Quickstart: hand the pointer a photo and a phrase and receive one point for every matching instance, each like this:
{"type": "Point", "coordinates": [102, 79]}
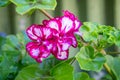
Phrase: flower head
{"type": "Point", "coordinates": [54, 36]}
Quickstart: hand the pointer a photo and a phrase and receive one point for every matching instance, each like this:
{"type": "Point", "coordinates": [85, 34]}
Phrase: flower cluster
{"type": "Point", "coordinates": [54, 36]}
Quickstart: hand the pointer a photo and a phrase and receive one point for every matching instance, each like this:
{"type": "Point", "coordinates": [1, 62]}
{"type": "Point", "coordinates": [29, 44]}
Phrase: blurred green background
{"type": "Point", "coordinates": [101, 11]}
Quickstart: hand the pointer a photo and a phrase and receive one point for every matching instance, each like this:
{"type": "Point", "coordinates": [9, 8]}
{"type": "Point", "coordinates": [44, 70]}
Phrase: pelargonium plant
{"type": "Point", "coordinates": [54, 36]}
{"type": "Point", "coordinates": [42, 51]}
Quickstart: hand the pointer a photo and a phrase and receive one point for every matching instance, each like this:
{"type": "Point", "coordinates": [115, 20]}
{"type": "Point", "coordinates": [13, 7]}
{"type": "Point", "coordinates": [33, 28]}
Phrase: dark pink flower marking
{"type": "Point", "coordinates": [54, 36]}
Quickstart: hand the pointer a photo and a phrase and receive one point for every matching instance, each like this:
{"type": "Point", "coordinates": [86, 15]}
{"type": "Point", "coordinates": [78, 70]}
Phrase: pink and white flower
{"type": "Point", "coordinates": [54, 36]}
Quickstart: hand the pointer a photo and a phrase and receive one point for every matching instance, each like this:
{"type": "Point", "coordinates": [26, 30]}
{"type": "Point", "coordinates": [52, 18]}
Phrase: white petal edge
{"type": "Point", "coordinates": [30, 33]}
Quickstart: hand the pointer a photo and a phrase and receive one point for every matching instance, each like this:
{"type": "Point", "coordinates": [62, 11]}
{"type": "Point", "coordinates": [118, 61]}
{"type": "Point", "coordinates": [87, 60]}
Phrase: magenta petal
{"type": "Point", "coordinates": [67, 24]}
{"type": "Point", "coordinates": [77, 24]}
{"type": "Point", "coordinates": [44, 54]}
{"type": "Point", "coordinates": [29, 32]}
{"type": "Point", "coordinates": [33, 49]}
{"type": "Point", "coordinates": [47, 32]}
{"type": "Point", "coordinates": [73, 39]}
{"type": "Point", "coordinates": [39, 60]}
{"type": "Point", "coordinates": [78, 33]}
{"type": "Point", "coordinates": [29, 45]}
{"type": "Point", "coordinates": [66, 43]}
{"type": "Point", "coordinates": [67, 13]}
{"type": "Point", "coordinates": [37, 31]}
{"type": "Point", "coordinates": [63, 55]}
{"type": "Point", "coordinates": [65, 46]}
{"type": "Point", "coordinates": [44, 51]}
{"type": "Point", "coordinates": [54, 24]}
{"type": "Point", "coordinates": [34, 52]}
{"type": "Point", "coordinates": [59, 53]}
{"type": "Point", "coordinates": [45, 22]}
{"type": "Point", "coordinates": [74, 42]}
{"type": "Point", "coordinates": [48, 45]}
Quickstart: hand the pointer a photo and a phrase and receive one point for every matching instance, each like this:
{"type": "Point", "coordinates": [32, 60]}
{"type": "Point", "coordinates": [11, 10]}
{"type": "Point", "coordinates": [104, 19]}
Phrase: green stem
{"type": "Point", "coordinates": [107, 68]}
{"type": "Point", "coordinates": [113, 52]}
{"type": "Point", "coordinates": [73, 60]}
{"type": "Point", "coordinates": [46, 14]}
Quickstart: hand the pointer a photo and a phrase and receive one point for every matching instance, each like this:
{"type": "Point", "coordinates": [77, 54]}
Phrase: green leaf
{"type": "Point", "coordinates": [8, 63]}
{"type": "Point", "coordinates": [106, 77]}
{"type": "Point", "coordinates": [117, 33]}
{"type": "Point", "coordinates": [89, 60]}
{"type": "Point", "coordinates": [25, 6]}
{"type": "Point", "coordinates": [62, 71]}
{"type": "Point", "coordinates": [89, 31]}
{"type": "Point", "coordinates": [107, 35]}
{"type": "Point", "coordinates": [89, 26]}
{"type": "Point", "coordinates": [23, 38]}
{"type": "Point", "coordinates": [4, 3]}
{"type": "Point", "coordinates": [11, 57]}
{"type": "Point", "coordinates": [101, 36]}
{"type": "Point", "coordinates": [2, 41]}
{"type": "Point", "coordinates": [11, 43]}
{"type": "Point", "coordinates": [38, 71]}
{"type": "Point", "coordinates": [90, 36]}
{"type": "Point", "coordinates": [114, 64]}
{"type": "Point", "coordinates": [32, 72]}
{"type": "Point", "coordinates": [82, 76]}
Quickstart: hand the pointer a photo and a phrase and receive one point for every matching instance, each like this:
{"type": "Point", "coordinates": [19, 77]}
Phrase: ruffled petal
{"type": "Point", "coordinates": [36, 51]}
{"type": "Point", "coordinates": [48, 44]}
{"type": "Point", "coordinates": [70, 39]}
{"type": "Point", "coordinates": [45, 22]}
{"type": "Point", "coordinates": [47, 32]}
{"type": "Point", "coordinates": [44, 51]}
{"type": "Point", "coordinates": [77, 24]}
{"type": "Point", "coordinates": [54, 24]}
{"type": "Point", "coordinates": [67, 24]}
{"type": "Point", "coordinates": [68, 14]}
{"type": "Point", "coordinates": [60, 54]}
{"type": "Point", "coordinates": [39, 60]}
{"type": "Point", "coordinates": [74, 41]}
{"type": "Point", "coordinates": [74, 19]}
{"type": "Point", "coordinates": [33, 49]}
{"type": "Point", "coordinates": [66, 43]}
{"type": "Point", "coordinates": [38, 31]}
{"type": "Point", "coordinates": [63, 55]}
{"type": "Point", "coordinates": [30, 33]}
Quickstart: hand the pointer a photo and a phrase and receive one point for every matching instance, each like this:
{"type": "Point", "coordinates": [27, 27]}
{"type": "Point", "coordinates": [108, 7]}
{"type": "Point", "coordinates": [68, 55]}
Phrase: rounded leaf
{"type": "Point", "coordinates": [89, 60]}
{"type": "Point", "coordinates": [82, 76]}
{"type": "Point", "coordinates": [25, 6]}
{"type": "Point", "coordinates": [62, 72]}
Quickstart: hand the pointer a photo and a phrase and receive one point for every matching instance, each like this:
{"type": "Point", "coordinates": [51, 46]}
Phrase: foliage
{"type": "Point", "coordinates": [26, 6]}
{"type": "Point", "coordinates": [89, 59]}
{"type": "Point", "coordinates": [82, 76]}
{"type": "Point", "coordinates": [4, 3]}
{"type": "Point", "coordinates": [16, 64]}
{"type": "Point", "coordinates": [115, 66]}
